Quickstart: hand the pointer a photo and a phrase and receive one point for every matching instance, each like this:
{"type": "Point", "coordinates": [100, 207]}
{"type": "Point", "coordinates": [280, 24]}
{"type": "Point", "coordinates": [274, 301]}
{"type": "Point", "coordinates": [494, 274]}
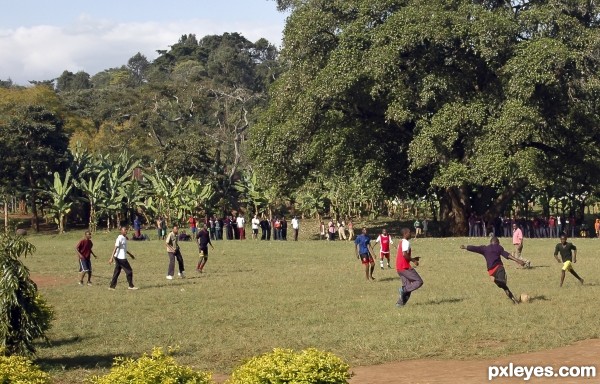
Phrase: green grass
{"type": "Point", "coordinates": [259, 295]}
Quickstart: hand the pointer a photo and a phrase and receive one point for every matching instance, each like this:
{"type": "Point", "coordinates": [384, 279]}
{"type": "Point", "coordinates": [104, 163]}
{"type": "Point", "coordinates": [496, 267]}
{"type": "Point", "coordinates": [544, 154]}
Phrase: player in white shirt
{"type": "Point", "coordinates": [384, 241]}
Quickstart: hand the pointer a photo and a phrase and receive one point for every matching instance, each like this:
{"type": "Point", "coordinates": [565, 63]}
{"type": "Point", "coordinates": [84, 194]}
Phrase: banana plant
{"type": "Point", "coordinates": [59, 192]}
{"type": "Point", "coordinates": [93, 190]}
{"type": "Point", "coordinates": [250, 193]}
{"type": "Point", "coordinates": [165, 192]}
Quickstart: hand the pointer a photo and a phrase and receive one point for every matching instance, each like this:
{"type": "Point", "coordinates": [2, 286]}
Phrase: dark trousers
{"type": "Point", "coordinates": [295, 235]}
{"type": "Point", "coordinates": [172, 257]}
{"type": "Point", "coordinates": [122, 264]}
{"type": "Point", "coordinates": [411, 280]}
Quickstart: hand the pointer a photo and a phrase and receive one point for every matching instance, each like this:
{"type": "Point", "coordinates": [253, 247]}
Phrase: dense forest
{"type": "Point", "coordinates": [486, 107]}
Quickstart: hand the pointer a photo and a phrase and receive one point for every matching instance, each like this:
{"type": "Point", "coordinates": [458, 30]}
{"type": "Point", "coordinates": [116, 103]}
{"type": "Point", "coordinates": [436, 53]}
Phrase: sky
{"type": "Point", "coordinates": [39, 39]}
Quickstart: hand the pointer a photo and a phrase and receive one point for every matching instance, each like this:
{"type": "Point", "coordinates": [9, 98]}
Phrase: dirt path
{"type": "Point", "coordinates": [585, 352]}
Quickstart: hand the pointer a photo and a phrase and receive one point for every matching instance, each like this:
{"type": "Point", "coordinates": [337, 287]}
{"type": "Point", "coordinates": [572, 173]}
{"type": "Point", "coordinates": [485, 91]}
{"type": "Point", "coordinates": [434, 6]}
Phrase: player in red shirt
{"type": "Point", "coordinates": [84, 252]}
{"type": "Point", "coordinates": [411, 280]}
{"type": "Point", "coordinates": [384, 241]}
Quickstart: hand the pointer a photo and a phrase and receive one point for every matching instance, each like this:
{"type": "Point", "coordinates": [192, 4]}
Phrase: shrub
{"type": "Point", "coordinates": [24, 315]}
{"type": "Point", "coordinates": [309, 366]}
{"type": "Point", "coordinates": [156, 368]}
{"type": "Point", "coordinates": [19, 370]}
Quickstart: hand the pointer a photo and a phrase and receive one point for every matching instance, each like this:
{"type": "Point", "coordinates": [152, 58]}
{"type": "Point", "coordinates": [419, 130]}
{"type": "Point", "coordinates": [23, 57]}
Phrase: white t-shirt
{"type": "Point", "coordinates": [240, 222]}
{"type": "Point", "coordinates": [121, 245]}
{"type": "Point", "coordinates": [405, 245]}
{"type": "Point", "coordinates": [295, 223]}
{"type": "Point", "coordinates": [255, 223]}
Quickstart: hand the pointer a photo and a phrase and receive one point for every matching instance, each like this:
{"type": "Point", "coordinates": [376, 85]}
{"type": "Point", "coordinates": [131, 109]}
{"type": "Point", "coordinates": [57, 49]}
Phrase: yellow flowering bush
{"type": "Point", "coordinates": [281, 366]}
{"type": "Point", "coordinates": [19, 370]}
{"type": "Point", "coordinates": [156, 368]}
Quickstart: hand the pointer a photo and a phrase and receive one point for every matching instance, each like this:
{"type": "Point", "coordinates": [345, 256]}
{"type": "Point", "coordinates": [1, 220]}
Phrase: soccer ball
{"type": "Point", "coordinates": [524, 298]}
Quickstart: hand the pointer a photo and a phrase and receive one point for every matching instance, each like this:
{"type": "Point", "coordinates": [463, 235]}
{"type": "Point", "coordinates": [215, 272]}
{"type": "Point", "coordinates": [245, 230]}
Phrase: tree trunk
{"type": "Point", "coordinates": [5, 215]}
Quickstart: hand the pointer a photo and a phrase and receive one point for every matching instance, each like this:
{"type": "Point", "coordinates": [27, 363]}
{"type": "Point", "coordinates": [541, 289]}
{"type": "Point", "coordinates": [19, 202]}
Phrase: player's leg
{"type": "Point", "coordinates": [171, 268]}
{"type": "Point", "coordinates": [371, 267]}
{"type": "Point", "coordinates": [501, 281]}
{"type": "Point", "coordinates": [179, 258]}
{"type": "Point", "coordinates": [81, 272]}
{"type": "Point", "coordinates": [576, 275]}
{"type": "Point", "coordinates": [116, 273]}
{"type": "Point", "coordinates": [387, 256]}
{"type": "Point", "coordinates": [381, 255]}
{"type": "Point", "coordinates": [562, 277]}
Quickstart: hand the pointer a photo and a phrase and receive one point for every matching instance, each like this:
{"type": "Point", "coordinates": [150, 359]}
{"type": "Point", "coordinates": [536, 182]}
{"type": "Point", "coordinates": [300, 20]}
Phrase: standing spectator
{"type": "Point", "coordinates": [597, 227]}
{"type": "Point", "coordinates": [283, 228]}
{"type": "Point", "coordinates": [384, 241]}
{"type": "Point", "coordinates": [227, 223]}
{"type": "Point", "coordinates": [255, 224]}
{"type": "Point", "coordinates": [552, 227]}
{"type": "Point", "coordinates": [211, 227]}
{"type": "Point", "coordinates": [119, 257]}
{"type": "Point", "coordinates": [568, 254]}
{"type": "Point", "coordinates": [471, 222]}
{"type": "Point", "coordinates": [295, 227]}
{"type": "Point", "coordinates": [203, 243]}
{"type": "Point", "coordinates": [159, 227]}
{"type": "Point", "coordinates": [174, 252]}
{"type": "Point", "coordinates": [572, 225]}
{"type": "Point", "coordinates": [84, 251]}
{"type": "Point", "coordinates": [341, 230]}
{"type": "Point", "coordinates": [559, 224]}
{"type": "Point", "coordinates": [137, 227]}
{"type": "Point", "coordinates": [322, 232]}
{"type": "Point", "coordinates": [264, 228]}
{"type": "Point", "coordinates": [192, 223]}
{"type": "Point", "coordinates": [331, 230]}
{"type": "Point", "coordinates": [507, 225]}
{"type": "Point", "coordinates": [411, 280]}
{"type": "Point", "coordinates": [350, 229]}
{"type": "Point", "coordinates": [163, 228]}
{"type": "Point", "coordinates": [276, 229]}
{"type": "Point", "coordinates": [364, 252]}
{"type": "Point", "coordinates": [518, 244]}
{"type": "Point", "coordinates": [425, 225]}
{"type": "Point", "coordinates": [418, 230]}
{"type": "Point", "coordinates": [241, 222]}
{"type": "Point", "coordinates": [218, 228]}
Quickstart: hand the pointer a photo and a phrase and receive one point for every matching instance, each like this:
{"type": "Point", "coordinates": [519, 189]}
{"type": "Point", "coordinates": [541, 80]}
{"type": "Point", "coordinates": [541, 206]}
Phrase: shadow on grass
{"type": "Point", "coordinates": [75, 362]}
{"type": "Point", "coordinates": [442, 301]}
{"type": "Point", "coordinates": [65, 341]}
{"type": "Point", "coordinates": [538, 298]}
{"type": "Point", "coordinates": [389, 279]}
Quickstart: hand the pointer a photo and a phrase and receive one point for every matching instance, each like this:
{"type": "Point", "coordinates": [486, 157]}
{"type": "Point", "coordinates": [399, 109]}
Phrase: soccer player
{"type": "Point", "coordinates": [411, 281]}
{"type": "Point", "coordinates": [568, 254]}
{"type": "Point", "coordinates": [203, 243]}
{"type": "Point", "coordinates": [495, 268]}
{"type": "Point", "coordinates": [174, 252]}
{"type": "Point", "coordinates": [364, 251]}
{"type": "Point", "coordinates": [84, 250]}
{"type": "Point", "coordinates": [119, 257]}
{"type": "Point", "coordinates": [384, 241]}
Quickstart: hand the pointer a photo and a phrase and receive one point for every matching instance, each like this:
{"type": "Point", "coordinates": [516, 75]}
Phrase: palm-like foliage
{"type": "Point", "coordinates": [24, 315]}
{"type": "Point", "coordinates": [60, 194]}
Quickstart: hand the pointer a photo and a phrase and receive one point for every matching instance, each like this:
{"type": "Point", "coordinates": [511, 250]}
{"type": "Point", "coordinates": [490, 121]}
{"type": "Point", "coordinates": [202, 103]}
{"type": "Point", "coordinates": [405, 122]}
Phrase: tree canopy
{"type": "Point", "coordinates": [474, 100]}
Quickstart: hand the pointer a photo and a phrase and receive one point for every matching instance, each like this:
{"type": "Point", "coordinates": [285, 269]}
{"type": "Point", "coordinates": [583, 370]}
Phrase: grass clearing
{"type": "Point", "coordinates": [257, 295]}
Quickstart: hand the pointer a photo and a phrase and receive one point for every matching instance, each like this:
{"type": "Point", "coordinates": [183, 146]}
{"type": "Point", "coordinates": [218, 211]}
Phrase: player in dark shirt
{"type": "Point", "coordinates": [568, 254]}
{"type": "Point", "coordinates": [203, 243]}
{"type": "Point", "coordinates": [495, 268]}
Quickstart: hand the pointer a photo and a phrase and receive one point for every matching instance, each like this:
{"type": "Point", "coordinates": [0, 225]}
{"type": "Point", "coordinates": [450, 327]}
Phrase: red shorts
{"type": "Point", "coordinates": [366, 258]}
{"type": "Point", "coordinates": [384, 254]}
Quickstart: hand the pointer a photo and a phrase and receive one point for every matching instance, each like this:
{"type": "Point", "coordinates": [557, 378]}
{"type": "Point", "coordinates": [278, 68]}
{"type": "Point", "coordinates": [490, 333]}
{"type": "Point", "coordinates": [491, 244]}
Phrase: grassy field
{"type": "Point", "coordinates": [258, 295]}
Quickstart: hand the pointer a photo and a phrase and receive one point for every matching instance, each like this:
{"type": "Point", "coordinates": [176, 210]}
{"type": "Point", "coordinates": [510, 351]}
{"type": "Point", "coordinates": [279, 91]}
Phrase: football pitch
{"type": "Point", "coordinates": [258, 295]}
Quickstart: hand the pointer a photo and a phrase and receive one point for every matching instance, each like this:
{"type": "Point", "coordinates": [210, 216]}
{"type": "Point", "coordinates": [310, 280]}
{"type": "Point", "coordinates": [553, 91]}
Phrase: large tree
{"type": "Point", "coordinates": [478, 99]}
{"type": "Point", "coordinates": [34, 140]}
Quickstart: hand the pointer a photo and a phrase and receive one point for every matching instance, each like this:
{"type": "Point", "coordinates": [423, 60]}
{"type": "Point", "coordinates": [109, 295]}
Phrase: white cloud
{"type": "Point", "coordinates": [43, 52]}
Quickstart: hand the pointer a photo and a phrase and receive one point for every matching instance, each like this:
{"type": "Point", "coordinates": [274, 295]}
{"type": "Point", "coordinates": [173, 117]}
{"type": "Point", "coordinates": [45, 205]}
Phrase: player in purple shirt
{"type": "Point", "coordinates": [495, 268]}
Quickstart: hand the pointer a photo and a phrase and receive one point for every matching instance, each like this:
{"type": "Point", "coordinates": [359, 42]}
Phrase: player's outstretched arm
{"type": "Point", "coordinates": [511, 257]}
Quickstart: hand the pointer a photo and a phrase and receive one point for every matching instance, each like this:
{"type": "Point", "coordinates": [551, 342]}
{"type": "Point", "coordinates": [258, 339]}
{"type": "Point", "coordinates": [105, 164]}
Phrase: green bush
{"type": "Point", "coordinates": [19, 370]}
{"type": "Point", "coordinates": [24, 314]}
{"type": "Point", "coordinates": [310, 366]}
{"type": "Point", "coordinates": [156, 368]}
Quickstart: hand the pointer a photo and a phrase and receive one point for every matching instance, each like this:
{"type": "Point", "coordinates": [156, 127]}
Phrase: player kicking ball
{"type": "Point", "coordinates": [568, 254]}
{"type": "Point", "coordinates": [495, 268]}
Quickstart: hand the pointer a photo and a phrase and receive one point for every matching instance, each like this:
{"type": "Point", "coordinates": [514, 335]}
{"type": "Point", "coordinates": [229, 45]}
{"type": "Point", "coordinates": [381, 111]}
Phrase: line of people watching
{"type": "Point", "coordinates": [536, 227]}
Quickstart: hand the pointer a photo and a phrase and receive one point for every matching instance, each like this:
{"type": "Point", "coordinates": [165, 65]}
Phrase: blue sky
{"type": "Point", "coordinates": [39, 39]}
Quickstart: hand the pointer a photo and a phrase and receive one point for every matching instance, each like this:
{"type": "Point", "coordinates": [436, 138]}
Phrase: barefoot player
{"type": "Point", "coordinates": [84, 250]}
{"type": "Point", "coordinates": [492, 253]}
{"type": "Point", "coordinates": [568, 254]}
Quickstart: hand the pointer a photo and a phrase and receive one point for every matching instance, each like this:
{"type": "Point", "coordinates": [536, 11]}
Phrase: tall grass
{"type": "Point", "coordinates": [257, 295]}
